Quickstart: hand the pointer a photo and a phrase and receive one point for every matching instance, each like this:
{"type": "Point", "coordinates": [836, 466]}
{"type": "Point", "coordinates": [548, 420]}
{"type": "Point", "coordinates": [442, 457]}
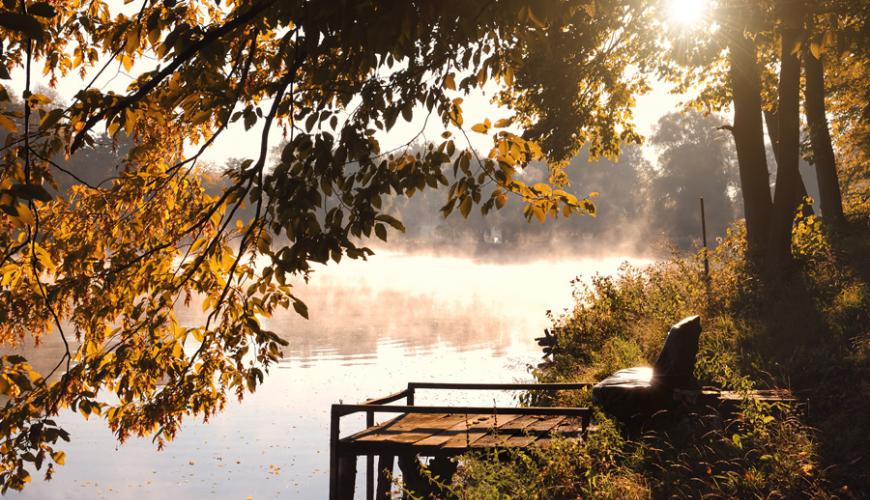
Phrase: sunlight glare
{"type": "Point", "coordinates": [686, 13]}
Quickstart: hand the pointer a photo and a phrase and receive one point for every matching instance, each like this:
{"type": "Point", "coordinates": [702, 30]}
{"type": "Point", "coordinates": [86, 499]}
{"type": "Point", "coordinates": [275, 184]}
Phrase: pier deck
{"type": "Point", "coordinates": [440, 432]}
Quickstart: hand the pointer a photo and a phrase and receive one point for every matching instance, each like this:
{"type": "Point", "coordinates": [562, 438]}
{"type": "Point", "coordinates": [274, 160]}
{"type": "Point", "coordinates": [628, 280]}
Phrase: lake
{"type": "Point", "coordinates": [374, 327]}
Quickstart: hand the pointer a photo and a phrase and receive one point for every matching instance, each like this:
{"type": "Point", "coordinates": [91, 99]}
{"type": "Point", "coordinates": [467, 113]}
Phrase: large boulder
{"type": "Point", "coordinates": [643, 390]}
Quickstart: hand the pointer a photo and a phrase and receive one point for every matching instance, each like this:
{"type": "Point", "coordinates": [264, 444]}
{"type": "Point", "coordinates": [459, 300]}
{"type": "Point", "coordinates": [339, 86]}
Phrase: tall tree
{"type": "Point", "coordinates": [772, 124]}
{"type": "Point", "coordinates": [748, 130]}
{"type": "Point", "coordinates": [788, 114]}
{"type": "Point", "coordinates": [820, 137]}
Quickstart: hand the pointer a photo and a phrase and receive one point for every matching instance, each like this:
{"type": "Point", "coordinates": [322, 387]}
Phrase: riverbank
{"type": "Point", "coordinates": [809, 332]}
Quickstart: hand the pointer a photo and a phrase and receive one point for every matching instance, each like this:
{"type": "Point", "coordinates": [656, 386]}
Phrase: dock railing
{"type": "Point", "coordinates": [382, 405]}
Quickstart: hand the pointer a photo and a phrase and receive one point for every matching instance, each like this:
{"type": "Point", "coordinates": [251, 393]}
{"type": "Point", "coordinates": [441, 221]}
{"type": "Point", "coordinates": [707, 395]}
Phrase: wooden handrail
{"type": "Point", "coordinates": [505, 387]}
{"type": "Point", "coordinates": [341, 410]}
{"type": "Point", "coordinates": [387, 399]}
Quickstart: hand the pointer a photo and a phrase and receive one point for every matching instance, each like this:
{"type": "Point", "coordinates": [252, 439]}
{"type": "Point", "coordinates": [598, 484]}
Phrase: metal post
{"type": "Point", "coordinates": [704, 241]}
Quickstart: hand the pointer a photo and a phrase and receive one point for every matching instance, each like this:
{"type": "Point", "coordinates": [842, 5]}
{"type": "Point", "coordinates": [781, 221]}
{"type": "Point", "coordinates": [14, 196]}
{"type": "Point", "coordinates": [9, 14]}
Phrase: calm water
{"type": "Point", "coordinates": [374, 326]}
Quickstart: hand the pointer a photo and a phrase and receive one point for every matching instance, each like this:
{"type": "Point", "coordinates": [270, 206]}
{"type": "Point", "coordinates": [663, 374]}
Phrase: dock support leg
{"type": "Point", "coordinates": [370, 462]}
{"type": "Point", "coordinates": [411, 476]}
{"type": "Point", "coordinates": [443, 469]}
{"type": "Point", "coordinates": [346, 476]}
{"type": "Point", "coordinates": [385, 476]}
{"type": "Point", "coordinates": [333, 453]}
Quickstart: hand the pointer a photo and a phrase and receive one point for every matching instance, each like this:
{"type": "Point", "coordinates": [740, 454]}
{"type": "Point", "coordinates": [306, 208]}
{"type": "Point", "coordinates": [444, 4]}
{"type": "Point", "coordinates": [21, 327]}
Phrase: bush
{"type": "Point", "coordinates": [809, 332]}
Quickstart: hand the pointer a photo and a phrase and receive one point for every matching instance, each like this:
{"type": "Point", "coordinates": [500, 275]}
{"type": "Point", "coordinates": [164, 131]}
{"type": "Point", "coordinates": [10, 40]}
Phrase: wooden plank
{"type": "Point", "coordinates": [568, 428]}
{"type": "Point", "coordinates": [533, 432]}
{"type": "Point", "coordinates": [371, 430]}
{"type": "Point", "coordinates": [409, 428]}
{"type": "Point", "coordinates": [518, 441]}
{"type": "Point", "coordinates": [464, 437]}
{"type": "Point", "coordinates": [776, 395]}
{"type": "Point", "coordinates": [507, 431]}
{"type": "Point", "coordinates": [544, 424]}
{"type": "Point", "coordinates": [446, 434]}
{"type": "Point", "coordinates": [519, 424]}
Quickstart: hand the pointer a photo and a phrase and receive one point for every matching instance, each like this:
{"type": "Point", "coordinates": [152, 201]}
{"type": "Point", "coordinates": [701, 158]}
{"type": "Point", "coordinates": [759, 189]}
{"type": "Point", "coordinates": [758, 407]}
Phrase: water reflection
{"type": "Point", "coordinates": [374, 326]}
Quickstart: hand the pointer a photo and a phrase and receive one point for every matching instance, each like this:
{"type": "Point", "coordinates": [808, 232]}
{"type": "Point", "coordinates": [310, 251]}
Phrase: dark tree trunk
{"type": "Point", "coordinates": [785, 199]}
{"type": "Point", "coordinates": [749, 141]}
{"type": "Point", "coordinates": [831, 201]}
{"type": "Point", "coordinates": [772, 121]}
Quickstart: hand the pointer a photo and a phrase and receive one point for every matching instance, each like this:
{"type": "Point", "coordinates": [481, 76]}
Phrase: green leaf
{"type": "Point", "coordinates": [300, 308]}
{"type": "Point", "coordinates": [392, 221]}
{"type": "Point", "coordinates": [381, 231]}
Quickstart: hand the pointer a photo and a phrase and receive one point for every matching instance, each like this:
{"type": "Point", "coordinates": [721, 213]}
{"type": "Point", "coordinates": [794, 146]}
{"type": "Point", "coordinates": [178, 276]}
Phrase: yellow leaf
{"type": "Point", "coordinates": [543, 188]}
{"type": "Point", "coordinates": [113, 128]}
{"type": "Point", "coordinates": [7, 124]}
{"type": "Point", "coordinates": [504, 122]}
{"type": "Point", "coordinates": [465, 206]}
{"type": "Point", "coordinates": [44, 259]}
{"type": "Point", "coordinates": [127, 62]}
{"type": "Point", "coordinates": [58, 457]}
{"type": "Point", "coordinates": [450, 82]}
{"type": "Point", "coordinates": [480, 128]}
{"type": "Point", "coordinates": [24, 214]}
{"type": "Point", "coordinates": [539, 213]}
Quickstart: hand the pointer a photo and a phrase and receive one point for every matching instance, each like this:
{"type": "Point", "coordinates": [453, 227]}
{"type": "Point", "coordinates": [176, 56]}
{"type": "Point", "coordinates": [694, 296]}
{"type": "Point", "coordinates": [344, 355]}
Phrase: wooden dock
{"type": "Point", "coordinates": [439, 432]}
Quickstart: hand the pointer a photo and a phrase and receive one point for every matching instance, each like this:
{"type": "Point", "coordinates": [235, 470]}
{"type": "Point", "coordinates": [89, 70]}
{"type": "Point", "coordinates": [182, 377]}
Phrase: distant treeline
{"type": "Point", "coordinates": [642, 205]}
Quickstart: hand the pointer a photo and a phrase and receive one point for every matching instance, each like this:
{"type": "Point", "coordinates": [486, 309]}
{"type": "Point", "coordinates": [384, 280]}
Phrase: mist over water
{"type": "Point", "coordinates": [374, 326]}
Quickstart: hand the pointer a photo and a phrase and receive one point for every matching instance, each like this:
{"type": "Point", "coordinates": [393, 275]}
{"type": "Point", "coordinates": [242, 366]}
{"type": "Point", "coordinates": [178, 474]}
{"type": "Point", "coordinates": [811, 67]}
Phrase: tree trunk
{"type": "Point", "coordinates": [785, 199]}
{"type": "Point", "coordinates": [831, 200]}
{"type": "Point", "coordinates": [749, 140]}
{"type": "Point", "coordinates": [772, 121]}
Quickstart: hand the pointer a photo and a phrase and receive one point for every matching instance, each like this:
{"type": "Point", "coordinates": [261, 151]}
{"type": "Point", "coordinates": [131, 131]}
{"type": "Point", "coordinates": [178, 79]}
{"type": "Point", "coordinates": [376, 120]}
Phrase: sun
{"type": "Point", "coordinates": [686, 13]}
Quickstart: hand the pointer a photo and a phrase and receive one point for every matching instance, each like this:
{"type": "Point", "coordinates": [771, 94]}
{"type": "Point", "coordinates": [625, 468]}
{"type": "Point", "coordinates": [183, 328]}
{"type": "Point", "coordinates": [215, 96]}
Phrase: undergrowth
{"type": "Point", "coordinates": [809, 332]}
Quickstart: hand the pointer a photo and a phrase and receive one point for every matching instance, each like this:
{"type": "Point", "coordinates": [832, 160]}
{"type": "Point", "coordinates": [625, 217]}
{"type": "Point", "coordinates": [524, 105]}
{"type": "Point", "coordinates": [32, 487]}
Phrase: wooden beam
{"type": "Point", "coordinates": [387, 399]}
{"type": "Point", "coordinates": [385, 477]}
{"type": "Point", "coordinates": [346, 476]}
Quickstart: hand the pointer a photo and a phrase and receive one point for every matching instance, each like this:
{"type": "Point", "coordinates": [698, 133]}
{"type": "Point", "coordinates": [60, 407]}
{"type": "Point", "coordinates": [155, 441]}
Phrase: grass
{"type": "Point", "coordinates": [809, 332]}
